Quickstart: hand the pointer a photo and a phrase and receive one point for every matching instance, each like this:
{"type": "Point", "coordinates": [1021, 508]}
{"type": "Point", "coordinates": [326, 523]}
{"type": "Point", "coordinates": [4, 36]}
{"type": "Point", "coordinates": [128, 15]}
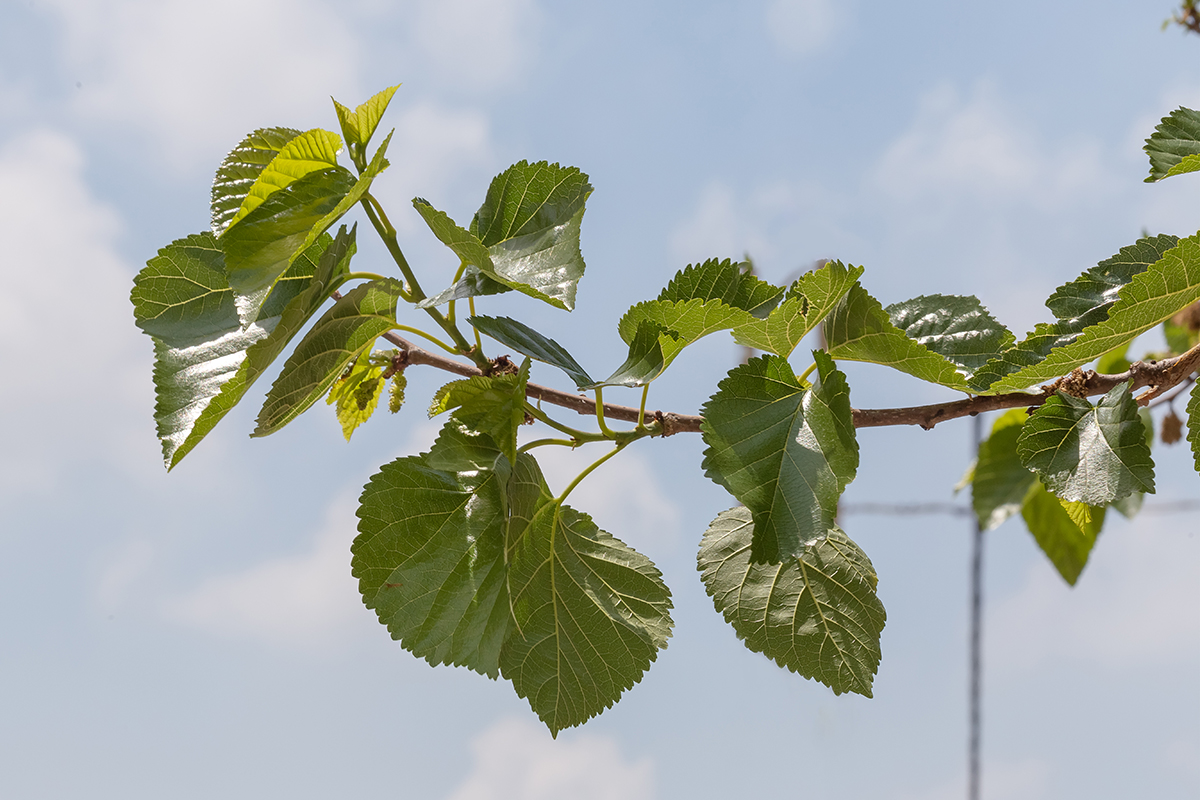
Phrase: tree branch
{"type": "Point", "coordinates": [1160, 376]}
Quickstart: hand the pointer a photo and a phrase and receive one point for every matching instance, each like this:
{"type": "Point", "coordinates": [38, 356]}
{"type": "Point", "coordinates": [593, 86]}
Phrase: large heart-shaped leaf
{"type": "Point", "coordinates": [783, 450]}
{"type": "Point", "coordinates": [1174, 147]}
{"type": "Point", "coordinates": [816, 614]}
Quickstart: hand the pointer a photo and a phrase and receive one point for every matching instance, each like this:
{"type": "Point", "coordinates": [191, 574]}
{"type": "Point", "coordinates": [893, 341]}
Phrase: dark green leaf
{"type": "Point", "coordinates": [338, 337]}
{"type": "Point", "coordinates": [958, 328]}
{"type": "Point", "coordinates": [309, 152]}
{"type": "Point", "coordinates": [1087, 454]}
{"type": "Point", "coordinates": [528, 342]}
{"type": "Point", "coordinates": [726, 281]}
{"type": "Point", "coordinates": [591, 614]}
{"type": "Point", "coordinates": [1001, 482]}
{"type": "Point", "coordinates": [205, 360]}
{"type": "Point", "coordinates": [649, 353]}
{"type": "Point", "coordinates": [358, 126]}
{"type": "Point", "coordinates": [1167, 286]}
{"type": "Point", "coordinates": [809, 299]}
{"type": "Point", "coordinates": [429, 556]}
{"type": "Point", "coordinates": [493, 405]}
{"type": "Point", "coordinates": [784, 451]}
{"type": "Point", "coordinates": [241, 169]}
{"type": "Point", "coordinates": [817, 614]}
{"type": "Point", "coordinates": [1064, 542]}
{"type": "Point", "coordinates": [1174, 147]}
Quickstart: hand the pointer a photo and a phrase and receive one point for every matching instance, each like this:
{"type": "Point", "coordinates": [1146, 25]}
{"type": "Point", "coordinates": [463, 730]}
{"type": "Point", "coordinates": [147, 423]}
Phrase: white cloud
{"type": "Point", "coordinates": [516, 759]}
{"type": "Point", "coordinates": [73, 356]}
{"type": "Point", "coordinates": [196, 76]}
{"type": "Point", "coordinates": [480, 44]}
{"type": "Point", "coordinates": [302, 599]}
{"type": "Point", "coordinates": [801, 27]}
{"type": "Point", "coordinates": [1135, 607]}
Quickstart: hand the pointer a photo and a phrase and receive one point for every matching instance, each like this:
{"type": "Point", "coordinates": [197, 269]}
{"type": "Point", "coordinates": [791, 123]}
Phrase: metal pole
{"type": "Point", "coordinates": [975, 713]}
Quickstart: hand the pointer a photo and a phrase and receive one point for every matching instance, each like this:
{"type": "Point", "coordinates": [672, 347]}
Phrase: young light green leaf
{"type": "Point", "coordinates": [205, 360]}
{"type": "Point", "coordinates": [429, 556]}
{"type": "Point", "coordinates": [309, 152]}
{"type": "Point", "coordinates": [958, 328]}
{"type": "Point", "coordinates": [1087, 454]}
{"type": "Point", "coordinates": [690, 320]}
{"type": "Point", "coordinates": [356, 393]}
{"type": "Point", "coordinates": [816, 614]}
{"type": "Point", "coordinates": [726, 281]}
{"type": "Point", "coordinates": [1064, 542]}
{"type": "Point", "coordinates": [1077, 305]}
{"type": "Point", "coordinates": [651, 350]}
{"type": "Point", "coordinates": [785, 451]}
{"type": "Point", "coordinates": [1167, 286]}
{"type": "Point", "coordinates": [358, 126]}
{"type": "Point", "coordinates": [859, 329]}
{"type": "Point", "coordinates": [1000, 482]}
{"type": "Point", "coordinates": [1193, 423]}
{"type": "Point", "coordinates": [1174, 147]}
{"type": "Point", "coordinates": [528, 342]}
{"type": "Point", "coordinates": [347, 329]}
{"type": "Point", "coordinates": [241, 169]}
{"type": "Point", "coordinates": [809, 300]}
{"type": "Point", "coordinates": [494, 405]}
{"type": "Point", "coordinates": [590, 614]}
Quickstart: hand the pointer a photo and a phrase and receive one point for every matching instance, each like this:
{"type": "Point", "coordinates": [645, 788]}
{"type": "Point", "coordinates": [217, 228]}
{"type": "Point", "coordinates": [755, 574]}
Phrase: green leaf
{"type": "Point", "coordinates": [816, 614]}
{"type": "Point", "coordinates": [726, 281]}
{"type": "Point", "coordinates": [1151, 296]}
{"type": "Point", "coordinates": [493, 405]}
{"type": "Point", "coordinates": [1174, 147]}
{"type": "Point", "coordinates": [859, 329]}
{"type": "Point", "coordinates": [650, 351]}
{"type": "Point", "coordinates": [1193, 423]}
{"type": "Point", "coordinates": [1061, 539]}
{"type": "Point", "coordinates": [205, 359]}
{"type": "Point", "coordinates": [809, 300]}
{"type": "Point", "coordinates": [1182, 331]}
{"type": "Point", "coordinates": [1087, 454]}
{"type": "Point", "coordinates": [785, 451]}
{"type": "Point", "coordinates": [1114, 362]}
{"type": "Point", "coordinates": [1001, 482]}
{"type": "Point", "coordinates": [689, 320]}
{"type": "Point", "coordinates": [957, 328]}
{"type": "Point", "coordinates": [309, 152]}
{"type": "Point", "coordinates": [358, 126]}
{"type": "Point", "coordinates": [241, 169]}
{"type": "Point", "coordinates": [429, 556]}
{"type": "Point", "coordinates": [261, 247]}
{"type": "Point", "coordinates": [591, 614]}
{"type": "Point", "coordinates": [356, 393]}
{"type": "Point", "coordinates": [525, 235]}
{"type": "Point", "coordinates": [528, 342]}
{"type": "Point", "coordinates": [347, 329]}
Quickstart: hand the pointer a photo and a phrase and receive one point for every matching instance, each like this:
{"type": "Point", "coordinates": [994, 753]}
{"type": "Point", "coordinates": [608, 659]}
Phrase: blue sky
{"type": "Point", "coordinates": [199, 634]}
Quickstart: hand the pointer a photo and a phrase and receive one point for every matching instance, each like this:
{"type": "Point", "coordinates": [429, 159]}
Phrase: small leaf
{"type": "Point", "coordinates": [1087, 454]}
{"type": "Point", "coordinates": [358, 126]}
{"type": "Point", "coordinates": [528, 342]}
{"type": "Point", "coordinates": [725, 281]}
{"type": "Point", "coordinates": [396, 395]}
{"type": "Point", "coordinates": [1064, 542]}
{"type": "Point", "coordinates": [816, 614]}
{"type": "Point", "coordinates": [809, 300]}
{"type": "Point", "coordinates": [958, 328]}
{"type": "Point", "coordinates": [1174, 147]}
{"type": "Point", "coordinates": [591, 614]}
{"type": "Point", "coordinates": [241, 169]}
{"type": "Point", "coordinates": [689, 320]}
{"type": "Point", "coordinates": [429, 556]}
{"type": "Point", "coordinates": [785, 451]}
{"type": "Point", "coordinates": [1001, 483]}
{"type": "Point", "coordinates": [356, 393]}
{"type": "Point", "coordinates": [347, 329]}
{"type": "Point", "coordinates": [309, 152]}
{"type": "Point", "coordinates": [1193, 424]}
{"type": "Point", "coordinates": [650, 351]}
{"type": "Point", "coordinates": [493, 405]}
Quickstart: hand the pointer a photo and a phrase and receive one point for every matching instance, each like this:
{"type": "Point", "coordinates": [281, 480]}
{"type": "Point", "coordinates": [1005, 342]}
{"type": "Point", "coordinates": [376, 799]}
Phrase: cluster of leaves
{"type": "Point", "coordinates": [465, 553]}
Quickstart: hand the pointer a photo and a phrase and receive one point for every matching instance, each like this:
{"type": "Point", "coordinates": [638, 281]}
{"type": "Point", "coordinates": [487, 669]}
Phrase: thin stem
{"type": "Point", "coordinates": [807, 372]}
{"type": "Point", "coordinates": [578, 478]}
{"type": "Point", "coordinates": [604, 429]}
{"type": "Point", "coordinates": [362, 276]}
{"type": "Point", "coordinates": [641, 423]}
{"type": "Point", "coordinates": [525, 448]}
{"type": "Point", "coordinates": [450, 307]}
{"type": "Point", "coordinates": [579, 436]}
{"type": "Point", "coordinates": [478, 341]}
{"type": "Point", "coordinates": [449, 348]}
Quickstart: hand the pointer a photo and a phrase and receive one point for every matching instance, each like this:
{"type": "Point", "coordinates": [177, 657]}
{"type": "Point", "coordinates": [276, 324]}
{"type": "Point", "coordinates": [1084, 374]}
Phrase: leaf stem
{"type": "Point", "coordinates": [641, 422]}
{"type": "Point", "coordinates": [579, 478]}
{"type": "Point", "coordinates": [525, 448]}
{"type": "Point", "coordinates": [807, 372]}
{"type": "Point", "coordinates": [363, 276]}
{"type": "Point", "coordinates": [604, 429]}
{"type": "Point", "coordinates": [449, 348]}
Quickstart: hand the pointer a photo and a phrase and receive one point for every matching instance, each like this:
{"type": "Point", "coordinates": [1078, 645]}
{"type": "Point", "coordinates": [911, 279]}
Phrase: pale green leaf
{"type": "Point", "coordinates": [355, 394]}
{"type": "Point", "coordinates": [494, 405]}
{"type": "Point", "coordinates": [809, 300]}
{"type": "Point", "coordinates": [1061, 539]}
{"type": "Point", "coordinates": [1156, 294]}
{"type": "Point", "coordinates": [689, 320]}
{"type": "Point", "coordinates": [347, 329]}
{"type": "Point", "coordinates": [429, 556]}
{"type": "Point", "coordinates": [590, 614]}
{"type": "Point", "coordinates": [785, 451]}
{"type": "Point", "coordinates": [241, 169]}
{"type": "Point", "coordinates": [309, 152]}
{"type": "Point", "coordinates": [816, 614]}
{"type": "Point", "coordinates": [729, 282]}
{"type": "Point", "coordinates": [1001, 482]}
{"type": "Point", "coordinates": [1174, 147]}
{"type": "Point", "coordinates": [1089, 454]}
{"type": "Point", "coordinates": [528, 342]}
{"type": "Point", "coordinates": [358, 126]}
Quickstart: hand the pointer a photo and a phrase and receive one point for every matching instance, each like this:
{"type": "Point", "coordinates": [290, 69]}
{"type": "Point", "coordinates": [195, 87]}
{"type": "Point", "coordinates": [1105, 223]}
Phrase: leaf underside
{"type": "Point", "coordinates": [1174, 147]}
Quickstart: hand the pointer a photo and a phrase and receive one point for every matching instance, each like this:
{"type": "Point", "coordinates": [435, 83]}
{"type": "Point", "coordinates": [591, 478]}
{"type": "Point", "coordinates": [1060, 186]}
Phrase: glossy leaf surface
{"type": "Point", "coordinates": [528, 342]}
{"type": "Point", "coordinates": [957, 328]}
{"type": "Point", "coordinates": [816, 614]}
{"type": "Point", "coordinates": [809, 300]}
{"type": "Point", "coordinates": [306, 153]}
{"type": "Point", "coordinates": [1174, 147]}
{"type": "Point", "coordinates": [241, 169]}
